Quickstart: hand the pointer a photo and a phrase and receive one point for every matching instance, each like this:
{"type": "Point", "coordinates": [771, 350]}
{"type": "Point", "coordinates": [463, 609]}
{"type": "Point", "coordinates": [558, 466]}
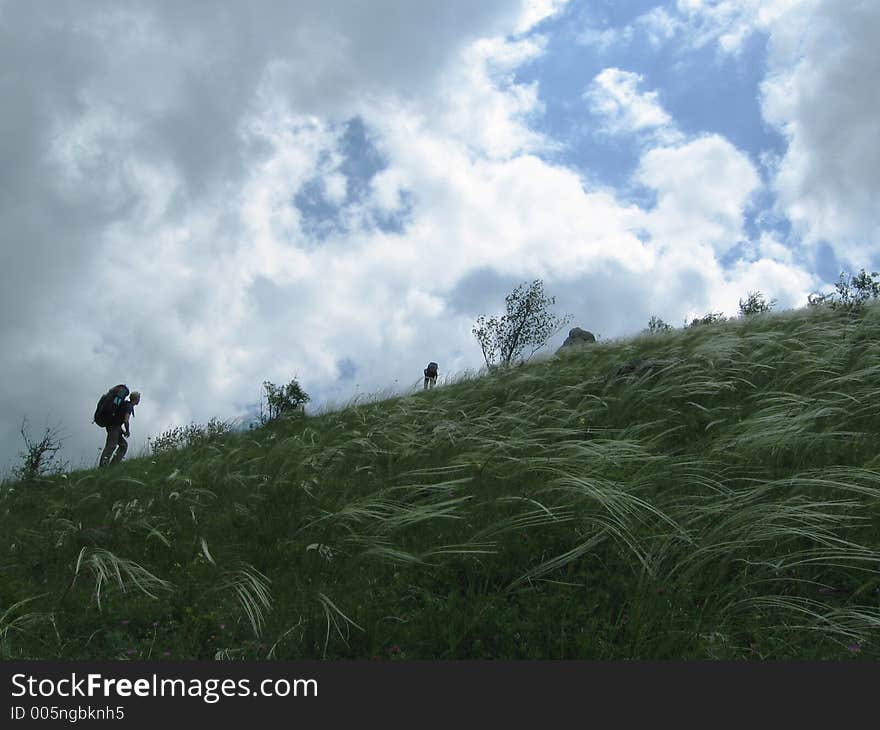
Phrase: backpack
{"type": "Point", "coordinates": [431, 370]}
{"type": "Point", "coordinates": [108, 411]}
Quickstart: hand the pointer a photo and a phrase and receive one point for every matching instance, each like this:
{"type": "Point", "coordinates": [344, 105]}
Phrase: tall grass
{"type": "Point", "coordinates": [719, 499]}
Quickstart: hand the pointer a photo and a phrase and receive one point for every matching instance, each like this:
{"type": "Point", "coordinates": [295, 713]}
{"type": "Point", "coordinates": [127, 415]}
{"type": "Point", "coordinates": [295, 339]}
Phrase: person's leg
{"type": "Point", "coordinates": [114, 433]}
{"type": "Point", "coordinates": [427, 379]}
{"type": "Point", "coordinates": [120, 452]}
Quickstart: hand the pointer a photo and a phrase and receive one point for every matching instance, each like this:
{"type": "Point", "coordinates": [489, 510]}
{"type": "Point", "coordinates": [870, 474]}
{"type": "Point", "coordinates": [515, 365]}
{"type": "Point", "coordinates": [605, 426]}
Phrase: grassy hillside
{"type": "Point", "coordinates": [720, 501]}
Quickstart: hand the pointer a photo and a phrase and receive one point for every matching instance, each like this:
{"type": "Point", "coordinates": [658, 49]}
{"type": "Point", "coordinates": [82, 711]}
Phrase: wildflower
{"type": "Point", "coordinates": [394, 649]}
{"type": "Point", "coordinates": [166, 653]}
{"type": "Point", "coordinates": [131, 651]}
{"type": "Point", "coordinates": [855, 648]}
{"type": "Point", "coordinates": [125, 622]}
{"type": "Point", "coordinates": [223, 627]}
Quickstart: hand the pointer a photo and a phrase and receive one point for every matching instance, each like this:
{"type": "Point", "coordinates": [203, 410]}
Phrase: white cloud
{"type": "Point", "coordinates": [821, 63]}
{"type": "Point", "coordinates": [770, 247]}
{"type": "Point", "coordinates": [785, 283]}
{"type": "Point", "coordinates": [614, 96]}
{"type": "Point", "coordinates": [727, 23]}
{"type": "Point", "coordinates": [660, 25]}
{"type": "Point", "coordinates": [703, 188]}
{"type": "Point", "coordinates": [335, 187]}
{"type": "Point", "coordinates": [819, 94]}
{"type": "Point", "coordinates": [535, 11]}
{"type": "Point", "coordinates": [602, 39]}
{"type": "Point", "coordinates": [479, 105]}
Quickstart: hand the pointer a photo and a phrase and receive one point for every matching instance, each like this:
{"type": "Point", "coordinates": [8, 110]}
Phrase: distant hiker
{"type": "Point", "coordinates": [113, 413]}
{"type": "Point", "coordinates": [431, 375]}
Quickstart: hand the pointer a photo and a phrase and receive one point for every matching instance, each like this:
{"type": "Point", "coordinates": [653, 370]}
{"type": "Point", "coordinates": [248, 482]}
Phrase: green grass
{"type": "Point", "coordinates": [721, 505]}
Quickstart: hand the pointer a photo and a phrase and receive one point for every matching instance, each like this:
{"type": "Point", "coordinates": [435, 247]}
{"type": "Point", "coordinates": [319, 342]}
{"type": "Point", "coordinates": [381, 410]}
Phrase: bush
{"type": "Point", "coordinates": [709, 318]}
{"type": "Point", "coordinates": [854, 293]}
{"type": "Point", "coordinates": [755, 304]}
{"type": "Point", "coordinates": [849, 294]}
{"type": "Point", "coordinates": [282, 399]}
{"type": "Point", "coordinates": [184, 437]}
{"type": "Point", "coordinates": [657, 326]}
{"type": "Point", "coordinates": [39, 457]}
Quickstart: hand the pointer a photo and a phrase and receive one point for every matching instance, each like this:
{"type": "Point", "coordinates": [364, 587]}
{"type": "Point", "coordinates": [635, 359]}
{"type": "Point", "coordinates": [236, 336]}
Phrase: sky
{"type": "Point", "coordinates": [196, 197]}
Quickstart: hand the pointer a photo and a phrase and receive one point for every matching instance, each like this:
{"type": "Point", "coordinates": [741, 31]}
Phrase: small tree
{"type": "Point", "coordinates": [39, 457]}
{"type": "Point", "coordinates": [657, 326]}
{"type": "Point", "coordinates": [527, 325]}
{"type": "Point", "coordinates": [281, 399]}
{"type": "Point", "coordinates": [755, 304]}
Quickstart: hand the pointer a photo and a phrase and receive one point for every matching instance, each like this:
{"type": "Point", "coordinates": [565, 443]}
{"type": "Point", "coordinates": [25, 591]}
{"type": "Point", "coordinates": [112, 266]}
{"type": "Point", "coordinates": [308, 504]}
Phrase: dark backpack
{"type": "Point", "coordinates": [431, 370]}
{"type": "Point", "coordinates": [109, 410]}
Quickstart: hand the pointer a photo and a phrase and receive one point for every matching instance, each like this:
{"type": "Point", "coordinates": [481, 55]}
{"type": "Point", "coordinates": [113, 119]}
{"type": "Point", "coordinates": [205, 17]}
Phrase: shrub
{"type": "Point", "coordinates": [854, 293]}
{"type": "Point", "coordinates": [184, 437]}
{"type": "Point", "coordinates": [39, 457]}
{"type": "Point", "coordinates": [755, 304]}
{"type": "Point", "coordinates": [282, 399]}
{"type": "Point", "coordinates": [709, 318]}
{"type": "Point", "coordinates": [849, 294]}
{"type": "Point", "coordinates": [657, 326]}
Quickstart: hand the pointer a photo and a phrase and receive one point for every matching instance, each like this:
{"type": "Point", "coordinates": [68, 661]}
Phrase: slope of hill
{"type": "Point", "coordinates": [718, 499]}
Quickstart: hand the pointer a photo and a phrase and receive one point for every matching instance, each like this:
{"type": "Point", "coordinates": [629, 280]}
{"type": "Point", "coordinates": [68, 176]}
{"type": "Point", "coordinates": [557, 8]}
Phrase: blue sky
{"type": "Point", "coordinates": [195, 199]}
{"type": "Point", "coordinates": [703, 90]}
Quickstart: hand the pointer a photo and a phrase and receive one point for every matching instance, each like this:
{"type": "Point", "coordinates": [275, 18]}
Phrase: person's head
{"type": "Point", "coordinates": [135, 397]}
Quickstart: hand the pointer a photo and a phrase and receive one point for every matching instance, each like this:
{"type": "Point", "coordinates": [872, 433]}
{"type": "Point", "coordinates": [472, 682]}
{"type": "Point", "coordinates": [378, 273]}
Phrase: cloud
{"type": "Point", "coordinates": [659, 24]}
{"type": "Point", "coordinates": [828, 182]}
{"type": "Point", "coordinates": [535, 12]}
{"type": "Point", "coordinates": [820, 59]}
{"type": "Point", "coordinates": [703, 259]}
{"type": "Point", "coordinates": [614, 97]}
{"type": "Point", "coordinates": [603, 39]}
{"type": "Point", "coordinates": [783, 282]}
{"type": "Point", "coordinates": [726, 23]}
{"type": "Point", "coordinates": [689, 208]}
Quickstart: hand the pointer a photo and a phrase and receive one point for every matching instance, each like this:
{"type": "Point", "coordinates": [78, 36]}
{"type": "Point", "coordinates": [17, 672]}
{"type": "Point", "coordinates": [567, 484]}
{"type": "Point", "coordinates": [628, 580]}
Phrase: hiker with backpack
{"type": "Point", "coordinates": [431, 375]}
{"type": "Point", "coordinates": [113, 414]}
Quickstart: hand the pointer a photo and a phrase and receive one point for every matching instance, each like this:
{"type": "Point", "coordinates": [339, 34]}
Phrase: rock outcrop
{"type": "Point", "coordinates": [577, 336]}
